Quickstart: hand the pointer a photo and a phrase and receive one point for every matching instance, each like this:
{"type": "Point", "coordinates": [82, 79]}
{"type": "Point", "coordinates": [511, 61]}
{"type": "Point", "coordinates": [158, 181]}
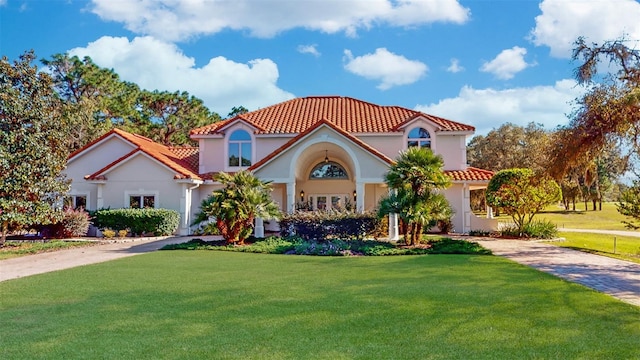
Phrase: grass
{"type": "Point", "coordinates": [607, 219]}
{"type": "Point", "coordinates": [224, 305]}
{"type": "Point", "coordinates": [626, 247]}
{"type": "Point", "coordinates": [13, 249]}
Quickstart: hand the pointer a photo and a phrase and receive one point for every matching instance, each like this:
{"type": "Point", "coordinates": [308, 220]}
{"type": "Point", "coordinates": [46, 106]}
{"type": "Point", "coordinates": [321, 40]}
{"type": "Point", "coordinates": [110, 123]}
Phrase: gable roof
{"type": "Point", "coordinates": [311, 129]}
{"type": "Point", "coordinates": [182, 160]}
{"type": "Point", "coordinates": [349, 114]}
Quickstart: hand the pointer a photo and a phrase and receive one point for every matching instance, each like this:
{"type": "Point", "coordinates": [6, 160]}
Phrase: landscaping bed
{"type": "Point", "coordinates": [336, 247]}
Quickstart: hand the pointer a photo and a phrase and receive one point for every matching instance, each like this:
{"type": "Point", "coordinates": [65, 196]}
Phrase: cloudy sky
{"type": "Point", "coordinates": [481, 62]}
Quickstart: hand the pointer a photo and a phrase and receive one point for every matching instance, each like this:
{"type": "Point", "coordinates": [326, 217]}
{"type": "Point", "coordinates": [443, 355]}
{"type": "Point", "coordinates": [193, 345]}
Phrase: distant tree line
{"type": "Point", "coordinates": [600, 143]}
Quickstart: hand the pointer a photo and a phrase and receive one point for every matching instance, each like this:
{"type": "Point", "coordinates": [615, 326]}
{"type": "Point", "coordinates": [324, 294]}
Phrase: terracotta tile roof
{"type": "Point", "coordinates": [182, 160]}
{"type": "Point", "coordinates": [309, 130]}
{"type": "Point", "coordinates": [470, 174]}
{"type": "Point", "coordinates": [188, 154]}
{"type": "Point", "coordinates": [349, 114]}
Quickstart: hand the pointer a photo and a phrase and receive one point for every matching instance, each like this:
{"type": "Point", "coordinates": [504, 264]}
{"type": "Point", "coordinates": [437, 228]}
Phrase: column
{"type": "Point", "coordinates": [100, 199]}
{"type": "Point", "coordinates": [184, 210]}
{"type": "Point", "coordinates": [393, 223]}
{"type": "Point", "coordinates": [291, 197]}
{"type": "Point", "coordinates": [258, 230]}
{"type": "Point", "coordinates": [466, 208]}
{"type": "Point", "coordinates": [359, 196]}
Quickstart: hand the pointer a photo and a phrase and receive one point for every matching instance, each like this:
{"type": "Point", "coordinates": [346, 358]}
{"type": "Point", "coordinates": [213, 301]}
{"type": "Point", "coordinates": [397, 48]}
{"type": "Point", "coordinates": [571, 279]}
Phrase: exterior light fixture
{"type": "Point", "coordinates": [326, 156]}
{"type": "Point", "coordinates": [355, 195]}
{"type": "Point", "coordinates": [301, 195]}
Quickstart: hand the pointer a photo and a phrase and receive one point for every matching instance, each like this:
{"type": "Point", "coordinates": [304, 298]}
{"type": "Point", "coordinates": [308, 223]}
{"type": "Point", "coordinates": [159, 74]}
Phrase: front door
{"type": "Point", "coordinates": [328, 201]}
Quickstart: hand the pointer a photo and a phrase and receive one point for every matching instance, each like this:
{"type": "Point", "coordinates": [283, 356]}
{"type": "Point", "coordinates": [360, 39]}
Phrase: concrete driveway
{"type": "Point", "coordinates": [64, 259]}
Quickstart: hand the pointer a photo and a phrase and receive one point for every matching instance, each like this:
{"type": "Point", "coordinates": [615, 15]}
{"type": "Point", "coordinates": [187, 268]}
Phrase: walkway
{"type": "Point", "coordinates": [64, 259]}
{"type": "Point", "coordinates": [617, 278]}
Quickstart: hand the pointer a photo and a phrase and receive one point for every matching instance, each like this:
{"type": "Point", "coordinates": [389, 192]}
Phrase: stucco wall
{"type": "Point", "coordinates": [453, 150]}
{"type": "Point", "coordinates": [89, 162]}
{"type": "Point", "coordinates": [388, 145]}
{"type": "Point", "coordinates": [455, 195]}
{"type": "Point", "coordinates": [211, 155]}
{"type": "Point", "coordinates": [141, 175]}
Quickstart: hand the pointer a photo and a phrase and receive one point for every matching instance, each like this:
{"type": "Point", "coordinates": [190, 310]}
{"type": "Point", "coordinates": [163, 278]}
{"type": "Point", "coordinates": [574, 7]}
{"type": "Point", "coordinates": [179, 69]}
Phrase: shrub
{"type": "Point", "coordinates": [140, 221]}
{"type": "Point", "coordinates": [108, 233]}
{"type": "Point", "coordinates": [484, 233]}
{"type": "Point", "coordinates": [535, 229]}
{"type": "Point", "coordinates": [74, 223]}
{"type": "Point", "coordinates": [451, 246]}
{"type": "Point", "coordinates": [325, 225]}
{"type": "Point", "coordinates": [122, 233]}
{"type": "Point", "coordinates": [541, 229]}
{"type": "Point", "coordinates": [299, 246]}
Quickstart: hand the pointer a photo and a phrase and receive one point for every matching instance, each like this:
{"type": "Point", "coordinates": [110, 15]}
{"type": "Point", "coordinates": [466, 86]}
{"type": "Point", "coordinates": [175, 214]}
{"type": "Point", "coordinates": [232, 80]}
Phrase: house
{"type": "Point", "coordinates": [319, 152]}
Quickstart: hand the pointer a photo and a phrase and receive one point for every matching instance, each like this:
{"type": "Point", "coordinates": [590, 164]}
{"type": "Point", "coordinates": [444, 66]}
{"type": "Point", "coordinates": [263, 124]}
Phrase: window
{"type": "Point", "coordinates": [142, 201]}
{"type": "Point", "coordinates": [76, 201]}
{"type": "Point", "coordinates": [240, 149]}
{"type": "Point", "coordinates": [419, 137]}
{"type": "Point", "coordinates": [328, 170]}
{"type": "Point", "coordinates": [329, 202]}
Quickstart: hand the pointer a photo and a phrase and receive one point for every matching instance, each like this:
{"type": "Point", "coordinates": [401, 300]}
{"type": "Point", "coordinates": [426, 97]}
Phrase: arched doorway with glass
{"type": "Point", "coordinates": [327, 182]}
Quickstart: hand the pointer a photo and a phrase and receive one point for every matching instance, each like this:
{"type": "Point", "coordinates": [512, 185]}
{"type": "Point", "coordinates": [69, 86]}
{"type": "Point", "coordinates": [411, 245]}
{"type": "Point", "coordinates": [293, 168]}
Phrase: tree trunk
{"type": "Point", "coordinates": [3, 233]}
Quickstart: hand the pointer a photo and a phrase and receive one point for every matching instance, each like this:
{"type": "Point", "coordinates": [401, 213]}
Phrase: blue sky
{"type": "Point", "coordinates": [481, 62]}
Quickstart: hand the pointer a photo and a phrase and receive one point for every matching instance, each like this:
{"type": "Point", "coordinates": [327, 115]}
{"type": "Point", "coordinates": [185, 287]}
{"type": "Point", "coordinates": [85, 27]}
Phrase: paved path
{"type": "Point", "coordinates": [64, 259]}
{"type": "Point", "coordinates": [617, 278]}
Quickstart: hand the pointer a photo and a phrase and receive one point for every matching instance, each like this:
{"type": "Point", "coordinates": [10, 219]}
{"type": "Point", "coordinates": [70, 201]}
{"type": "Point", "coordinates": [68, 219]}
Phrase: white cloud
{"type": "Point", "coordinates": [221, 84]}
{"type": "Point", "coordinates": [309, 49]}
{"type": "Point", "coordinates": [391, 69]}
{"type": "Point", "coordinates": [488, 108]}
{"type": "Point", "coordinates": [174, 20]}
{"type": "Point", "coordinates": [562, 22]}
{"type": "Point", "coordinates": [507, 63]}
{"type": "Point", "coordinates": [3, 2]}
{"type": "Point", "coordinates": [455, 67]}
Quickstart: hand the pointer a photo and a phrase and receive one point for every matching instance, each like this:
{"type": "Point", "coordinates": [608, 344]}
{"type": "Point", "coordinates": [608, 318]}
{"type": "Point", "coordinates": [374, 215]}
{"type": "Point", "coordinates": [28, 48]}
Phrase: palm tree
{"type": "Point", "coordinates": [416, 177]}
{"type": "Point", "coordinates": [418, 169]}
{"type": "Point", "coordinates": [243, 198]}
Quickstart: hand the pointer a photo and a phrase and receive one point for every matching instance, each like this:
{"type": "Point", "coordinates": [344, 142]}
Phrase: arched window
{"type": "Point", "coordinates": [240, 149]}
{"type": "Point", "coordinates": [328, 170]}
{"type": "Point", "coordinates": [419, 137]}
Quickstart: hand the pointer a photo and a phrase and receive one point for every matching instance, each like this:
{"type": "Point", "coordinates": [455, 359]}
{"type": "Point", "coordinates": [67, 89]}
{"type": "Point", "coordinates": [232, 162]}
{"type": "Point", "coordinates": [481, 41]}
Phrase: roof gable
{"type": "Point", "coordinates": [349, 114]}
{"type": "Point", "coordinates": [182, 160]}
{"type": "Point", "coordinates": [311, 130]}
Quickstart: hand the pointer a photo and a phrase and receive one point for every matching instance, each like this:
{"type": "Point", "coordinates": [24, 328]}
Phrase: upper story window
{"type": "Point", "coordinates": [419, 137]}
{"type": "Point", "coordinates": [328, 170]}
{"type": "Point", "coordinates": [240, 149]}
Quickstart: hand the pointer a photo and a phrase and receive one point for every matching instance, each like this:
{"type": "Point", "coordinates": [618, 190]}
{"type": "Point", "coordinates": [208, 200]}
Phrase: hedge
{"type": "Point", "coordinates": [159, 222]}
{"type": "Point", "coordinates": [324, 225]}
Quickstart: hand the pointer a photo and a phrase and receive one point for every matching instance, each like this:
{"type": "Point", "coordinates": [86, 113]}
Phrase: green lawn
{"type": "Point", "coordinates": [626, 247]}
{"type": "Point", "coordinates": [607, 219]}
{"type": "Point", "coordinates": [211, 304]}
